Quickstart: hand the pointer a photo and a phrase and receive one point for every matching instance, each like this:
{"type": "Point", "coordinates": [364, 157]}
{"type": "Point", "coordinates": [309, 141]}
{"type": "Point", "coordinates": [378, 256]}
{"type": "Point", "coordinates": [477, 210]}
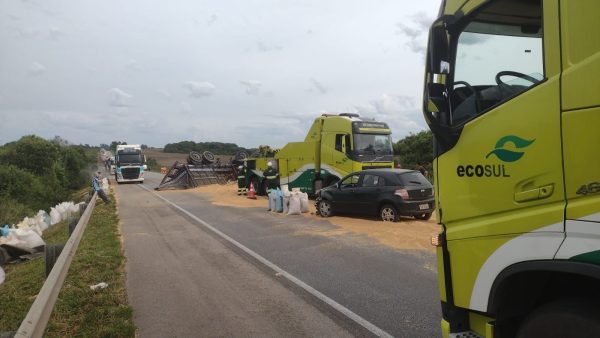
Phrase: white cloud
{"type": "Point", "coordinates": [402, 113]}
{"type": "Point", "coordinates": [132, 66]}
{"type": "Point", "coordinates": [267, 47]}
{"type": "Point", "coordinates": [36, 68]}
{"type": "Point", "coordinates": [119, 98]}
{"type": "Point", "coordinates": [199, 89]}
{"type": "Point", "coordinates": [28, 33]}
{"type": "Point", "coordinates": [213, 19]}
{"type": "Point", "coordinates": [252, 87]}
{"type": "Point", "coordinates": [318, 86]}
{"type": "Point", "coordinates": [186, 108]}
{"type": "Point", "coordinates": [416, 29]}
{"type": "Point", "coordinates": [55, 33]}
{"type": "Point", "coordinates": [164, 94]}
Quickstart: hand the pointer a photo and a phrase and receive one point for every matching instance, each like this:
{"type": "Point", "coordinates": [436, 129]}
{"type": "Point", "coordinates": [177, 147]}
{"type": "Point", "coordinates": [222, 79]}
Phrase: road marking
{"type": "Point", "coordinates": [337, 306]}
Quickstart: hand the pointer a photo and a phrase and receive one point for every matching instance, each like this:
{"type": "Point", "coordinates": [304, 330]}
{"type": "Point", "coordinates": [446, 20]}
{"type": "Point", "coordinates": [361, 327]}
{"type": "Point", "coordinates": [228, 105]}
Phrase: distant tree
{"type": "Point", "coordinates": [59, 141]}
{"type": "Point", "coordinates": [103, 146]}
{"type": "Point", "coordinates": [31, 153]}
{"type": "Point", "coordinates": [415, 148]}
{"type": "Point", "coordinates": [144, 146]}
{"type": "Point", "coordinates": [217, 148]}
{"type": "Point", "coordinates": [36, 174]}
{"type": "Point", "coordinates": [114, 144]}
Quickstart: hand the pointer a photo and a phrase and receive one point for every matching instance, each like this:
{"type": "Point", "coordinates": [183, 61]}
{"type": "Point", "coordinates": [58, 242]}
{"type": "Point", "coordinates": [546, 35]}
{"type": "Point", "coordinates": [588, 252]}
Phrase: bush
{"type": "Point", "coordinates": [36, 173]}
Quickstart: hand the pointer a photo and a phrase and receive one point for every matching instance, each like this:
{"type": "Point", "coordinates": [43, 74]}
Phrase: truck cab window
{"type": "Point", "coordinates": [497, 57]}
{"type": "Point", "coordinates": [338, 142]}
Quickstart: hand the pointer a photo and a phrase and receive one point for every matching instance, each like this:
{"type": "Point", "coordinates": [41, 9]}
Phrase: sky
{"type": "Point", "coordinates": [236, 71]}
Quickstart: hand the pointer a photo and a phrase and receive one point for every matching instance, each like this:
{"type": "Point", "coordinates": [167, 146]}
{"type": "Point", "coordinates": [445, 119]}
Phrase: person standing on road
{"type": "Point", "coordinates": [97, 186]}
{"type": "Point", "coordinates": [242, 181]}
{"type": "Point", "coordinates": [271, 176]}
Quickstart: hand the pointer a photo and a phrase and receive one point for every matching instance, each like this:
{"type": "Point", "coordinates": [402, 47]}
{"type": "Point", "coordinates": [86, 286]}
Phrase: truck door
{"type": "Point", "coordinates": [498, 161]}
{"type": "Point", "coordinates": [581, 117]}
{"type": "Point", "coordinates": [340, 162]}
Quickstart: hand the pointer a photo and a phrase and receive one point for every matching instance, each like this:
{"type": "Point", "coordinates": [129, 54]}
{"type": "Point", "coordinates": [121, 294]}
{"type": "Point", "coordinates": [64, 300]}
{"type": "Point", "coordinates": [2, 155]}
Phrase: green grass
{"type": "Point", "coordinates": [79, 311]}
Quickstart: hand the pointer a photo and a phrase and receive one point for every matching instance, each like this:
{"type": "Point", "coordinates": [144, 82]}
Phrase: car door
{"type": "Point", "coordinates": [344, 197]}
{"type": "Point", "coordinates": [367, 193]}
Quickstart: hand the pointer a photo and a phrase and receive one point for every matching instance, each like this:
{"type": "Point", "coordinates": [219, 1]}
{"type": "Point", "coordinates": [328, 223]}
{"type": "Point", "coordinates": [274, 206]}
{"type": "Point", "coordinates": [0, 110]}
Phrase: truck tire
{"type": "Point", "coordinates": [388, 213]}
{"type": "Point", "coordinates": [325, 208]}
{"type": "Point", "coordinates": [565, 318]}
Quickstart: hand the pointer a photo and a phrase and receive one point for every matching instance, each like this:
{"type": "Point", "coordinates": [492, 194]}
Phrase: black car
{"type": "Point", "coordinates": [388, 193]}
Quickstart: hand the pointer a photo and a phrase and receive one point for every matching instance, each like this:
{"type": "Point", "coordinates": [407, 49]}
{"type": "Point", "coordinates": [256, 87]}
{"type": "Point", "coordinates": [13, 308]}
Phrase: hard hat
{"type": "Point", "coordinates": [240, 167]}
{"type": "Point", "coordinates": [270, 164]}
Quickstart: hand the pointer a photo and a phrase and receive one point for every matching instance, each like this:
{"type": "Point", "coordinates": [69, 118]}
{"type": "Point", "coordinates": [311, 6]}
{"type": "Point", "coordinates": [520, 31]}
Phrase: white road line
{"type": "Point", "coordinates": [337, 306]}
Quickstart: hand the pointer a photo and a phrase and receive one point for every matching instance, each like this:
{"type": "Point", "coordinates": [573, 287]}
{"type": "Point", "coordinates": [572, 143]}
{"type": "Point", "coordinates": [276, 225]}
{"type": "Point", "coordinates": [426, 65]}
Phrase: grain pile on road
{"type": "Point", "coordinates": [408, 234]}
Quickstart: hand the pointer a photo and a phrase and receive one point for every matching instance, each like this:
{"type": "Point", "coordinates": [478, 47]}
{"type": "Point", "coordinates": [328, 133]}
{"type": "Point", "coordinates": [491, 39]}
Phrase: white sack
{"type": "Point", "coordinates": [304, 202]}
{"type": "Point", "coordinates": [54, 216]}
{"type": "Point", "coordinates": [30, 237]}
{"type": "Point", "coordinates": [294, 207]}
{"type": "Point", "coordinates": [2, 275]}
{"type": "Point", "coordinates": [40, 220]}
{"type": "Point", "coordinates": [105, 184]}
{"type": "Point", "coordinates": [273, 200]}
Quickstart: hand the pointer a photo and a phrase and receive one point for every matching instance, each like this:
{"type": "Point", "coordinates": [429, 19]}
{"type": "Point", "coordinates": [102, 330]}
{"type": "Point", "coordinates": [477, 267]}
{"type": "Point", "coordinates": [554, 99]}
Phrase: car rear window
{"type": "Point", "coordinates": [412, 178]}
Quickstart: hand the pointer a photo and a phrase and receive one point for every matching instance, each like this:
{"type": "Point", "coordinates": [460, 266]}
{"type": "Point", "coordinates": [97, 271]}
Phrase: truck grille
{"type": "Point", "coordinates": [130, 173]}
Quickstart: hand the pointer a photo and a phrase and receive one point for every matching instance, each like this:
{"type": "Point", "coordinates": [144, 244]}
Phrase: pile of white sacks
{"type": "Point", "coordinates": [288, 202]}
{"type": "Point", "coordinates": [28, 233]}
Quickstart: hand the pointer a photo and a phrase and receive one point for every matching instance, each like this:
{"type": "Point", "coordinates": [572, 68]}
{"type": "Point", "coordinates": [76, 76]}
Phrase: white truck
{"type": "Point", "coordinates": [129, 161]}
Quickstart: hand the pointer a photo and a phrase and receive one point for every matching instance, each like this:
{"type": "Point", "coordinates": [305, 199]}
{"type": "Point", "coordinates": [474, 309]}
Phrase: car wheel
{"type": "Point", "coordinates": [325, 208]}
{"type": "Point", "coordinates": [424, 216]}
{"type": "Point", "coordinates": [388, 213]}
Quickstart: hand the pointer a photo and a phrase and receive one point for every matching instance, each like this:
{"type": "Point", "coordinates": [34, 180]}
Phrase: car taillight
{"type": "Point", "coordinates": [403, 193]}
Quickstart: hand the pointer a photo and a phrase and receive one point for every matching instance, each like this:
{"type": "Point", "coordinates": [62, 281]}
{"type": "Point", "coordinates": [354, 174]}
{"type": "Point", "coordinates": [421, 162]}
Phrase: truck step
{"type": "Point", "coordinates": [464, 334]}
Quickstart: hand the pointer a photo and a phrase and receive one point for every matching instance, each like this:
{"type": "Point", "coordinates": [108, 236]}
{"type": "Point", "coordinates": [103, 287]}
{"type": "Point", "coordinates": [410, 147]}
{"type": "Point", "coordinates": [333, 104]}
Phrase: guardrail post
{"type": "Point", "coordinates": [51, 253]}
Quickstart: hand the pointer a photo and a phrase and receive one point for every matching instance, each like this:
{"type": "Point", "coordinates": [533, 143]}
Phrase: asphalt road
{"type": "Point", "coordinates": [185, 280]}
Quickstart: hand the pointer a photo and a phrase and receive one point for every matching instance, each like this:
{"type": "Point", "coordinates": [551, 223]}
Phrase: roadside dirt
{"type": "Point", "coordinates": [408, 234]}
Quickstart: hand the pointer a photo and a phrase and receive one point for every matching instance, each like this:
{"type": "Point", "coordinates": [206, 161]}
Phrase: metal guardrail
{"type": "Point", "coordinates": [36, 320]}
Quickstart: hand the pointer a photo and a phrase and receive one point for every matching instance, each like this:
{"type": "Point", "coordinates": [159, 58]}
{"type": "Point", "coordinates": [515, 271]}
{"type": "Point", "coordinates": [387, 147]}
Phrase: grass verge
{"type": "Point", "coordinates": [79, 311]}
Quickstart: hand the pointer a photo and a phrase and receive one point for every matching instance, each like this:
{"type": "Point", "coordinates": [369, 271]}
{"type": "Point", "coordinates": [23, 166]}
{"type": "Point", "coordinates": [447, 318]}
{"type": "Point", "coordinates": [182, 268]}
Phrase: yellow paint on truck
{"type": "Point", "coordinates": [512, 95]}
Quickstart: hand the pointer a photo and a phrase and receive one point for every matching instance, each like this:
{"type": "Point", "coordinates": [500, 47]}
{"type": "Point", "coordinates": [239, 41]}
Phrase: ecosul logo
{"type": "Point", "coordinates": [503, 154]}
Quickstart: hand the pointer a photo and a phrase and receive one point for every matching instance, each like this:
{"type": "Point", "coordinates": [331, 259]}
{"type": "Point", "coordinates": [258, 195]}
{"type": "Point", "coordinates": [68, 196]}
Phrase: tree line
{"type": "Point", "coordinates": [36, 173]}
{"type": "Point", "coordinates": [408, 151]}
{"type": "Point", "coordinates": [415, 148]}
{"type": "Point", "coordinates": [218, 148]}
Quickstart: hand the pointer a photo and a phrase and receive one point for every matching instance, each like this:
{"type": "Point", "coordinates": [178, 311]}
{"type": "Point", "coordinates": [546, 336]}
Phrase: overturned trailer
{"type": "Point", "coordinates": [201, 169]}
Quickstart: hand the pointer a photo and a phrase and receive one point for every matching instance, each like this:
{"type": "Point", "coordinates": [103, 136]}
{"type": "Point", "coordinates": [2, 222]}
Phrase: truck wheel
{"type": "Point", "coordinates": [565, 318]}
{"type": "Point", "coordinates": [388, 213]}
{"type": "Point", "coordinates": [325, 208]}
{"type": "Point", "coordinates": [424, 216]}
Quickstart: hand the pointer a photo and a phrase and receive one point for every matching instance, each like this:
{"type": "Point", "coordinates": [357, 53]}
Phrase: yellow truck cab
{"type": "Point", "coordinates": [512, 95]}
{"type": "Point", "coordinates": [335, 146]}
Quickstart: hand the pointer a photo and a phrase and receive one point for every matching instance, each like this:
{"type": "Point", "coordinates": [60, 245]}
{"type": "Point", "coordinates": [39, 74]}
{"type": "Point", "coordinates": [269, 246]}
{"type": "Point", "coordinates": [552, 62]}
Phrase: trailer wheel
{"type": "Point", "coordinates": [565, 318]}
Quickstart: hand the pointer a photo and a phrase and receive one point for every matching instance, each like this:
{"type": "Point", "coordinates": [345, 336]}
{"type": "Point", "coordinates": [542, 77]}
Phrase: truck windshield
{"type": "Point", "coordinates": [130, 159]}
{"type": "Point", "coordinates": [372, 144]}
{"type": "Point", "coordinates": [496, 59]}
